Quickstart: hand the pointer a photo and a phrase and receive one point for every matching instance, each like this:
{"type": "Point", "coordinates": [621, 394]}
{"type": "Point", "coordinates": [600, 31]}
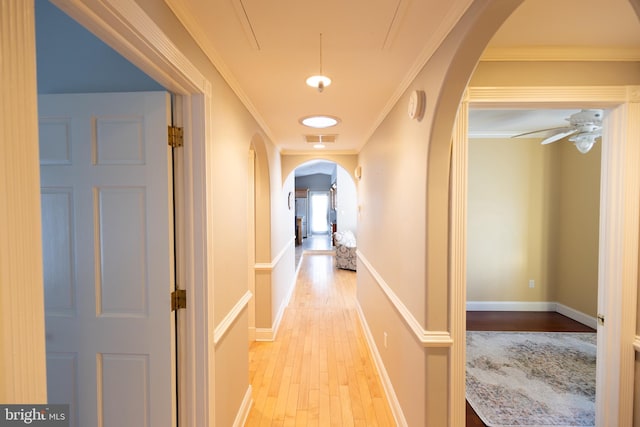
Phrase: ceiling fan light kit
{"type": "Point", "coordinates": [585, 126]}
{"type": "Point", "coordinates": [583, 143]}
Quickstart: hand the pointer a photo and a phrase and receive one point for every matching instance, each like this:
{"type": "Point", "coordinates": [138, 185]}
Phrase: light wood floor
{"type": "Point", "coordinates": [318, 371]}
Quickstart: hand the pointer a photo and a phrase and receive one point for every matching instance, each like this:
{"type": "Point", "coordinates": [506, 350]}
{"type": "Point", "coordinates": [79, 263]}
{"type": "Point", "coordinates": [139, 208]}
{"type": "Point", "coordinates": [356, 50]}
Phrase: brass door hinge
{"type": "Point", "coordinates": [176, 138]}
{"type": "Point", "coordinates": [601, 319]}
{"type": "Point", "coordinates": [178, 299]}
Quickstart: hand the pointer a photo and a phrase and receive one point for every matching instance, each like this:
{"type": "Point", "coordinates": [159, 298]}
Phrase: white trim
{"type": "Point", "coordinates": [23, 351]}
{"type": "Point", "coordinates": [576, 315]}
{"type": "Point", "coordinates": [427, 338]}
{"type": "Point", "coordinates": [618, 262]}
{"type": "Point", "coordinates": [251, 239]}
{"type": "Point", "coordinates": [265, 334]}
{"type": "Point", "coordinates": [267, 266]}
{"type": "Point", "coordinates": [199, 36]}
{"type": "Point", "coordinates": [546, 96]}
{"type": "Point", "coordinates": [245, 408]}
{"type": "Point", "coordinates": [511, 306]}
{"type": "Point", "coordinates": [618, 259]}
{"type": "Point", "coordinates": [392, 398]}
{"type": "Point", "coordinates": [458, 265]}
{"type": "Point", "coordinates": [270, 334]}
{"type": "Point", "coordinates": [231, 317]}
{"type": "Point", "coordinates": [132, 33]}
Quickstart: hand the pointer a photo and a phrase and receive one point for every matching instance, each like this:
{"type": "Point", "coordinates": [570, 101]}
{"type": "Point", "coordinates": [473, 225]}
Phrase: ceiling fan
{"type": "Point", "coordinates": [584, 128]}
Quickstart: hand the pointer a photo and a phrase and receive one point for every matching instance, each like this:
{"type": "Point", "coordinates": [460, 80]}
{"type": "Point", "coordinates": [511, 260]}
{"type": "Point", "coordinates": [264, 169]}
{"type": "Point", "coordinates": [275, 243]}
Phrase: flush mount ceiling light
{"type": "Point", "coordinates": [320, 141]}
{"type": "Point", "coordinates": [319, 122]}
{"type": "Point", "coordinates": [319, 81]}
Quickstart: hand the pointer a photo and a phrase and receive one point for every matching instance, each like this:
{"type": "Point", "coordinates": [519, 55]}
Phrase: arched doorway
{"type": "Point", "coordinates": [326, 202]}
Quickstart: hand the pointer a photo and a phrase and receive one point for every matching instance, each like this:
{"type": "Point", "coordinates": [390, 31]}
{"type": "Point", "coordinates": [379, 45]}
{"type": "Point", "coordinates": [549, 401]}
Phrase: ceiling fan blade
{"type": "Point", "coordinates": [565, 128]}
{"type": "Point", "coordinates": [558, 136]}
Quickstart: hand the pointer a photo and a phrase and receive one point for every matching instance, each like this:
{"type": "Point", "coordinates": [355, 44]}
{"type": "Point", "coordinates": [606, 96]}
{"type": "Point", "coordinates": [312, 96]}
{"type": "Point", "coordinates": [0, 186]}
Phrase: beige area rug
{"type": "Point", "coordinates": [532, 379]}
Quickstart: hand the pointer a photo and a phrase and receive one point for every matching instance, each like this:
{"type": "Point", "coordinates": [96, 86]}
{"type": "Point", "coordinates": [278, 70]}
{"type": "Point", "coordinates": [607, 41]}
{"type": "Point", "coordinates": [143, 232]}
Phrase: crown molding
{"type": "Point", "coordinates": [198, 34]}
{"type": "Point", "coordinates": [558, 96]}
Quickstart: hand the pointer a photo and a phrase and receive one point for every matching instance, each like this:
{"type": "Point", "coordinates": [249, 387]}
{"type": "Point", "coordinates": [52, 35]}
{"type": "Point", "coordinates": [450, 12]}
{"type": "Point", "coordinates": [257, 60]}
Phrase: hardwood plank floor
{"type": "Point", "coordinates": [319, 370]}
{"type": "Point", "coordinates": [517, 321]}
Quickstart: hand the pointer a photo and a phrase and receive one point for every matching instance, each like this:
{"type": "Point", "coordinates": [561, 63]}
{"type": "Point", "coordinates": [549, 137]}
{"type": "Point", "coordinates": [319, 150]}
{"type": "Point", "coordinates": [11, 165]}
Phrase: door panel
{"type": "Point", "coordinates": [107, 220]}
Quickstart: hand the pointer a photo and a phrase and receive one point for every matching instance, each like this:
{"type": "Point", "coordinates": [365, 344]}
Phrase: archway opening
{"type": "Point", "coordinates": [325, 203]}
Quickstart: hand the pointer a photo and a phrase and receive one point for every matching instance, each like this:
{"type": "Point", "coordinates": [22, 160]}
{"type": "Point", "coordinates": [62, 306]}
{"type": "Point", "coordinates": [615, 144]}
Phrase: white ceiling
{"type": "Point", "coordinates": [507, 123]}
{"type": "Point", "coordinates": [372, 49]}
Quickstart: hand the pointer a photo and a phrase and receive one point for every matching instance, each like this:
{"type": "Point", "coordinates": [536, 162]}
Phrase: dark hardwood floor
{"type": "Point", "coordinates": [517, 321]}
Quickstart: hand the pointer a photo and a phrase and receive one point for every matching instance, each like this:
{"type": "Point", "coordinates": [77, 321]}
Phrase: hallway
{"type": "Point", "coordinates": [318, 371]}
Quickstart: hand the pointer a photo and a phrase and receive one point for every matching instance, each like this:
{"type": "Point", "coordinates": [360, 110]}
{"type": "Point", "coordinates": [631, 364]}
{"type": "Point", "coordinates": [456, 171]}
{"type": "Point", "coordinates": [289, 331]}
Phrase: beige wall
{"type": "Point", "coordinates": [275, 247]}
{"type": "Point", "coordinates": [509, 200]}
{"type": "Point", "coordinates": [403, 223]}
{"type": "Point", "coordinates": [574, 268]}
{"type": "Point", "coordinates": [556, 73]}
{"type": "Point", "coordinates": [291, 161]}
{"type": "Point", "coordinates": [533, 214]}
{"type": "Point", "coordinates": [234, 132]}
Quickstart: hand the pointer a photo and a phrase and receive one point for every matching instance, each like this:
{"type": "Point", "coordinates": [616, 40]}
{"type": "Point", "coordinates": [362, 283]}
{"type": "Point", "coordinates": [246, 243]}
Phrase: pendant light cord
{"type": "Point", "coordinates": [321, 54]}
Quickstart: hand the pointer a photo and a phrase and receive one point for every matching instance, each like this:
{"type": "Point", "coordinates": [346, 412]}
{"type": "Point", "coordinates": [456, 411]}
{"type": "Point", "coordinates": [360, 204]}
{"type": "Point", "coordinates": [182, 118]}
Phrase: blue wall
{"type": "Point", "coordinates": [70, 59]}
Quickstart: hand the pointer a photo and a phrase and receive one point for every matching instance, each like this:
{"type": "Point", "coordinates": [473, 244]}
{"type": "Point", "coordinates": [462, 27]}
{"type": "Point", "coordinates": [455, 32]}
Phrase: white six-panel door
{"type": "Point", "coordinates": [108, 257]}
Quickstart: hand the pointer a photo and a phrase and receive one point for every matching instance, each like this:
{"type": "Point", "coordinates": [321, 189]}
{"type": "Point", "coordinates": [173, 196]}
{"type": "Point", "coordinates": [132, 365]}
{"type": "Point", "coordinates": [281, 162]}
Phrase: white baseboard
{"type": "Point", "coordinates": [269, 334]}
{"type": "Point", "coordinates": [510, 306]}
{"type": "Point", "coordinates": [392, 399]}
{"type": "Point", "coordinates": [245, 407]}
{"type": "Point", "coordinates": [576, 315]}
{"type": "Point", "coordinates": [265, 334]}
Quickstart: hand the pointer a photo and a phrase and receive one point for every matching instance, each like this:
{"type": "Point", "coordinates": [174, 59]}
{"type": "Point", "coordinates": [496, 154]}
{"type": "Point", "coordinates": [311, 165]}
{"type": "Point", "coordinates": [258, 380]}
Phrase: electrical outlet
{"type": "Point", "coordinates": [385, 340]}
{"type": "Point", "coordinates": [532, 283]}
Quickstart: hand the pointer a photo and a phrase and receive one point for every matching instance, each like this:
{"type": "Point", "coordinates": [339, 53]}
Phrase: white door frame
{"type": "Point", "coordinates": [618, 253]}
{"type": "Point", "coordinates": [124, 26]}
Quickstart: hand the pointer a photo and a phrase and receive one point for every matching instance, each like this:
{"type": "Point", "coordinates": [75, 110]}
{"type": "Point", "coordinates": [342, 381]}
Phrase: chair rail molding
{"type": "Point", "coordinates": [231, 317]}
{"type": "Point", "coordinates": [267, 266]}
{"type": "Point", "coordinates": [427, 338]}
